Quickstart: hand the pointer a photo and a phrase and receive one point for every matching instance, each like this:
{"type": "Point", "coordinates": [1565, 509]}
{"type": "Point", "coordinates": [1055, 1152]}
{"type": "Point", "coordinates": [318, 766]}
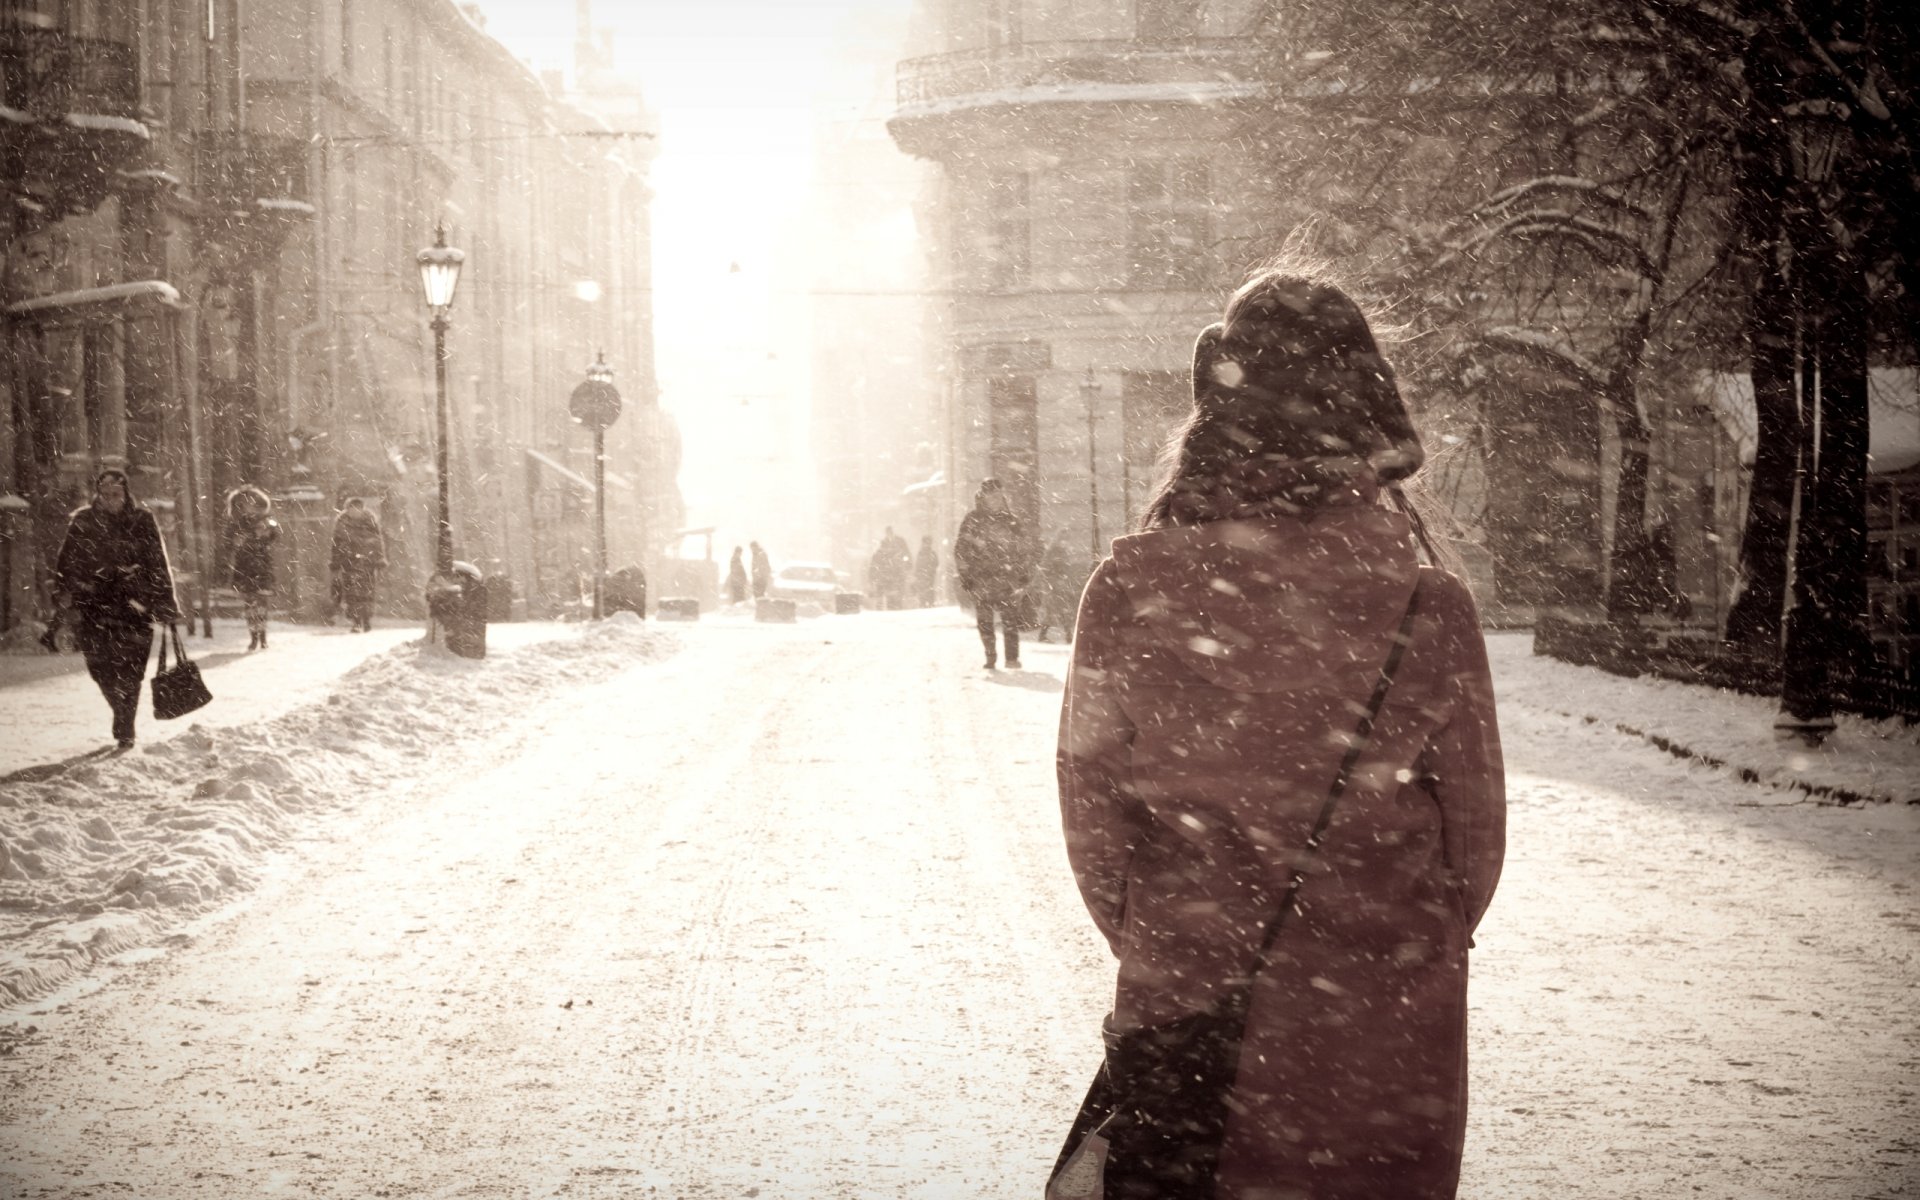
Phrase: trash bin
{"type": "Point", "coordinates": [625, 591]}
{"type": "Point", "coordinates": [846, 604]}
{"type": "Point", "coordinates": [458, 605]}
{"type": "Point", "coordinates": [499, 597]}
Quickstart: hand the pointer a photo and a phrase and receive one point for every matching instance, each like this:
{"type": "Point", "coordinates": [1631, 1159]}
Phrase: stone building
{"type": "Point", "coordinates": [211, 216]}
{"type": "Point", "coordinates": [1095, 207]}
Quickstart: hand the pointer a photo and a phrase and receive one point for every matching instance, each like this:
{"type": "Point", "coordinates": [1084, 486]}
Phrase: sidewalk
{"type": "Point", "coordinates": [51, 711]}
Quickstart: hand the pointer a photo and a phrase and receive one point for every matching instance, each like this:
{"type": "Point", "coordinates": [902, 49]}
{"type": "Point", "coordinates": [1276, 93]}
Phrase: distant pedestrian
{"type": "Point", "coordinates": [246, 547]}
{"type": "Point", "coordinates": [736, 579]}
{"type": "Point", "coordinates": [1259, 1047]}
{"type": "Point", "coordinates": [359, 555]}
{"type": "Point", "coordinates": [889, 569]}
{"type": "Point", "coordinates": [762, 570]}
{"type": "Point", "coordinates": [995, 558]}
{"type": "Point", "coordinates": [1057, 587]}
{"type": "Point", "coordinates": [926, 573]}
{"type": "Point", "coordinates": [113, 574]}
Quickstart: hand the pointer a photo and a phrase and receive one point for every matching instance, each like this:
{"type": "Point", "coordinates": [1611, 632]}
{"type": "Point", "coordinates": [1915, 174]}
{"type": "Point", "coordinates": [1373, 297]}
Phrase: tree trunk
{"type": "Point", "coordinates": [1754, 621]}
{"type": "Point", "coordinates": [1632, 576]}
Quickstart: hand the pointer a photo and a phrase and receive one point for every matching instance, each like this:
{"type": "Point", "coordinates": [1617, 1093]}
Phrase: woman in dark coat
{"type": "Point", "coordinates": [994, 555]}
{"type": "Point", "coordinates": [247, 547]}
{"type": "Point", "coordinates": [926, 572]}
{"type": "Point", "coordinates": [359, 555]}
{"type": "Point", "coordinates": [762, 570]}
{"type": "Point", "coordinates": [736, 579]}
{"type": "Point", "coordinates": [113, 573]}
{"type": "Point", "coordinates": [1223, 654]}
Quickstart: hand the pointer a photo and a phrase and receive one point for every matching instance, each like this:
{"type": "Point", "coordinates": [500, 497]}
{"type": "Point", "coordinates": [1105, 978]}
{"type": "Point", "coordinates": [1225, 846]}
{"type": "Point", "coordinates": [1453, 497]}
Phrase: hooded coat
{"type": "Point", "coordinates": [1219, 671]}
{"type": "Point", "coordinates": [248, 542]}
{"type": "Point", "coordinates": [359, 554]}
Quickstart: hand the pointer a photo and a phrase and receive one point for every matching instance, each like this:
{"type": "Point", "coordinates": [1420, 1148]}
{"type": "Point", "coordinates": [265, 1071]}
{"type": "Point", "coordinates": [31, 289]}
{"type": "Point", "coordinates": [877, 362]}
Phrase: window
{"type": "Point", "coordinates": [1009, 249]}
{"type": "Point", "coordinates": [1004, 23]}
{"type": "Point", "coordinates": [1013, 454]}
{"type": "Point", "coordinates": [1169, 219]}
{"type": "Point", "coordinates": [1165, 20]}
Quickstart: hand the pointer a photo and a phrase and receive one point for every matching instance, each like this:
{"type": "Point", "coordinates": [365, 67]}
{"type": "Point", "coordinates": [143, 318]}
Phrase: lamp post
{"type": "Point", "coordinates": [1090, 392]}
{"type": "Point", "coordinates": [596, 404]}
{"type": "Point", "coordinates": [449, 602]}
{"type": "Point", "coordinates": [439, 276]}
{"type": "Point", "coordinates": [1816, 133]}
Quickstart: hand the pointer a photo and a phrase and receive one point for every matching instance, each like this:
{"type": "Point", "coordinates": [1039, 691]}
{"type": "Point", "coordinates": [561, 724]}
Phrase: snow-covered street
{"type": "Point", "coordinates": [730, 909]}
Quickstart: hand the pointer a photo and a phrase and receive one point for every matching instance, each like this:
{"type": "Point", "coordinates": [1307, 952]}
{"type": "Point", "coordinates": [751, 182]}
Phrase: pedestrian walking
{"type": "Point", "coordinates": [762, 570]}
{"type": "Point", "coordinates": [359, 555]}
{"type": "Point", "coordinates": [995, 558]}
{"type": "Point", "coordinates": [1290, 1016]}
{"type": "Point", "coordinates": [888, 570]}
{"type": "Point", "coordinates": [246, 547]}
{"type": "Point", "coordinates": [1058, 584]}
{"type": "Point", "coordinates": [112, 574]}
{"type": "Point", "coordinates": [736, 579]}
{"type": "Point", "coordinates": [926, 573]}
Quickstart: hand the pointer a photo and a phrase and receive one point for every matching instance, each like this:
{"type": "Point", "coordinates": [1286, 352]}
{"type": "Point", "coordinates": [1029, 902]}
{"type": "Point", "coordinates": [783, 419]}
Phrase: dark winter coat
{"type": "Point", "coordinates": [762, 571]}
{"type": "Point", "coordinates": [926, 572]}
{"type": "Point", "coordinates": [890, 566]}
{"type": "Point", "coordinates": [247, 546]}
{"type": "Point", "coordinates": [994, 557]}
{"type": "Point", "coordinates": [1215, 679]}
{"type": "Point", "coordinates": [736, 580]}
{"type": "Point", "coordinates": [108, 564]}
{"type": "Point", "coordinates": [359, 554]}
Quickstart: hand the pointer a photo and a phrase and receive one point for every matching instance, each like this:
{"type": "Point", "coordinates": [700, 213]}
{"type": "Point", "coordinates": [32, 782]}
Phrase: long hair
{"type": "Point", "coordinates": [1294, 409]}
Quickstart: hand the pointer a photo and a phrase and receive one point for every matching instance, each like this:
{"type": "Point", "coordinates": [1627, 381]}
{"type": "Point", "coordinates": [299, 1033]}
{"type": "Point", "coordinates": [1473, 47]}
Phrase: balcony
{"type": "Point", "coordinates": [1105, 70]}
{"type": "Point", "coordinates": [52, 76]}
{"type": "Point", "coordinates": [249, 171]}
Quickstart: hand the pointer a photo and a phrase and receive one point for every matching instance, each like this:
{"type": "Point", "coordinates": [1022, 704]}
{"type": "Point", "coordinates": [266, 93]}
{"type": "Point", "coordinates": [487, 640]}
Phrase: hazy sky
{"type": "Point", "coordinates": [734, 84]}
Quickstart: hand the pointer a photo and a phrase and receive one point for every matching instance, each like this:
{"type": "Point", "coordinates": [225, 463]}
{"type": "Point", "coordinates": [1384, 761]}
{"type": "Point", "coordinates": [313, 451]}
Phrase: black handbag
{"type": "Point", "coordinates": [1151, 1125]}
{"type": "Point", "coordinates": [177, 690]}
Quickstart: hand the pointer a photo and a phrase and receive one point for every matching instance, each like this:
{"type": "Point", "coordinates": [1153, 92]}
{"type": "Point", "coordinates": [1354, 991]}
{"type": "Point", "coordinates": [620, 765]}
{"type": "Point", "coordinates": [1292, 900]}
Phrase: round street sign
{"type": "Point", "coordinates": [595, 404]}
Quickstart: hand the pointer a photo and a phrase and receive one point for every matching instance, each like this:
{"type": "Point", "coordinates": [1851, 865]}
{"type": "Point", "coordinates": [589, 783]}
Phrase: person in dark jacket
{"type": "Point", "coordinates": [926, 573]}
{"type": "Point", "coordinates": [1061, 578]}
{"type": "Point", "coordinates": [888, 570]}
{"type": "Point", "coordinates": [246, 546]}
{"type": "Point", "coordinates": [736, 579]}
{"type": "Point", "coordinates": [359, 555]}
{"type": "Point", "coordinates": [113, 574]}
{"type": "Point", "coordinates": [995, 558]}
{"type": "Point", "coordinates": [1222, 655]}
{"type": "Point", "coordinates": [762, 570]}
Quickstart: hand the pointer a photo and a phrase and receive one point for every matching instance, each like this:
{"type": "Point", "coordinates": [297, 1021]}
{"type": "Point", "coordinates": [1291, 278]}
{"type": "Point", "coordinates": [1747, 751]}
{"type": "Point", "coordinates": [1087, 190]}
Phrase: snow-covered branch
{"type": "Point", "coordinates": [1586, 188]}
{"type": "Point", "coordinates": [1601, 240]}
{"type": "Point", "coordinates": [1548, 349]}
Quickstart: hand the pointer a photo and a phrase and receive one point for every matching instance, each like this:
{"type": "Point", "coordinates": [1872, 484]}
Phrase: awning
{"type": "Point", "coordinates": [90, 306]}
{"type": "Point", "coordinates": [562, 470]}
{"type": "Point", "coordinates": [936, 480]}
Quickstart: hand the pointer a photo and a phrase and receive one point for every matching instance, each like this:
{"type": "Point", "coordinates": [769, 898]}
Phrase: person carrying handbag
{"type": "Point", "coordinates": [1281, 790]}
{"type": "Point", "coordinates": [113, 574]}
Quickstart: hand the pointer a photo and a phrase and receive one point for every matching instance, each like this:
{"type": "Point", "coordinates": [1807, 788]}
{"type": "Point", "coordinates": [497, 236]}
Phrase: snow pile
{"type": "Point", "coordinates": [112, 852]}
{"type": "Point", "coordinates": [1877, 760]}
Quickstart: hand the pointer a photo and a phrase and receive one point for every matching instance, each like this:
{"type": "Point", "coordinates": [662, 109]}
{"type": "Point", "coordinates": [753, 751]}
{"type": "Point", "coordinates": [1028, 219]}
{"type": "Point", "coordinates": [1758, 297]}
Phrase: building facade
{"type": "Point", "coordinates": [212, 214]}
{"type": "Point", "coordinates": [1095, 205]}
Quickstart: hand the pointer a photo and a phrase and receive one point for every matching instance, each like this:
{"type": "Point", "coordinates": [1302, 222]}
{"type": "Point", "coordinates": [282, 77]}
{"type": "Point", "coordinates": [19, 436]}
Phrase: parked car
{"type": "Point", "coordinates": [816, 581]}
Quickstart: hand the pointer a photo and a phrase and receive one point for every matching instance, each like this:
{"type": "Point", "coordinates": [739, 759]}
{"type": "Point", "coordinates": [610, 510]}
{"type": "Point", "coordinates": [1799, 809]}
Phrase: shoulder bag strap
{"type": "Point", "coordinates": [1361, 736]}
{"type": "Point", "coordinates": [162, 668]}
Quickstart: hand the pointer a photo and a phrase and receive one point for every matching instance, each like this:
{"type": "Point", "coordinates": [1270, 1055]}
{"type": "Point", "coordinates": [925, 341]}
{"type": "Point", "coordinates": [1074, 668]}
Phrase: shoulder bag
{"type": "Point", "coordinates": [177, 689]}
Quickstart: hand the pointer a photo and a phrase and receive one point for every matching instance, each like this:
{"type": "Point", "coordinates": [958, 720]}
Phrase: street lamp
{"type": "Point", "coordinates": [596, 404]}
{"type": "Point", "coordinates": [1090, 392]}
{"type": "Point", "coordinates": [456, 599]}
{"type": "Point", "coordinates": [439, 276]}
